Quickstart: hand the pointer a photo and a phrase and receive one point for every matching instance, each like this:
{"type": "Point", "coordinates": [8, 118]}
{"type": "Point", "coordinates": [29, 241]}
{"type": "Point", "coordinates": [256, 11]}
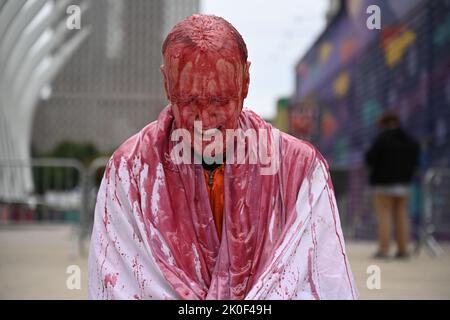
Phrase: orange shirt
{"type": "Point", "coordinates": [214, 186]}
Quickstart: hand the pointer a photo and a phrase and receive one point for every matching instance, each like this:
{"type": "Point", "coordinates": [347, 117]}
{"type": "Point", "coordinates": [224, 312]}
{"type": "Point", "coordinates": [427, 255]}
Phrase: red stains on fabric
{"type": "Point", "coordinates": [111, 279]}
{"type": "Point", "coordinates": [310, 274]}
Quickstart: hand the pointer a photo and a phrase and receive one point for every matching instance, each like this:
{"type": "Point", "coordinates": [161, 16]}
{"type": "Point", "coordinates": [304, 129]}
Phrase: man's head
{"type": "Point", "coordinates": [206, 73]}
{"type": "Point", "coordinates": [388, 120]}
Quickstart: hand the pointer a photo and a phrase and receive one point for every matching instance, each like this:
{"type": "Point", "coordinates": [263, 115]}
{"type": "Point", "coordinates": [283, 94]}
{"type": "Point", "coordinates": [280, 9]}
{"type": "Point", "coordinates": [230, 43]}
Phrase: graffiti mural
{"type": "Point", "coordinates": [354, 74]}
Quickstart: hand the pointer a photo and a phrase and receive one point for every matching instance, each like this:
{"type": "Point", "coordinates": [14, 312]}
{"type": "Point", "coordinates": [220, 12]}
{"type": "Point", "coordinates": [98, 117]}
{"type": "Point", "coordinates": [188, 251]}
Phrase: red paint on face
{"type": "Point", "coordinates": [205, 76]}
{"type": "Point", "coordinates": [207, 88]}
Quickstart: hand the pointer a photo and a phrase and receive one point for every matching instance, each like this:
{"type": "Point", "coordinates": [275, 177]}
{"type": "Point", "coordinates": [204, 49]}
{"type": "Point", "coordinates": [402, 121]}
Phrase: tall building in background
{"type": "Point", "coordinates": [112, 87]}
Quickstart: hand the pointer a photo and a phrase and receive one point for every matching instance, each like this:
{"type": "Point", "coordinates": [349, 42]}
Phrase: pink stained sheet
{"type": "Point", "coordinates": [154, 235]}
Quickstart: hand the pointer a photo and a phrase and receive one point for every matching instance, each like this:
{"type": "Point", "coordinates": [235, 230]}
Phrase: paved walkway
{"type": "Point", "coordinates": [421, 277]}
{"type": "Point", "coordinates": [34, 261]}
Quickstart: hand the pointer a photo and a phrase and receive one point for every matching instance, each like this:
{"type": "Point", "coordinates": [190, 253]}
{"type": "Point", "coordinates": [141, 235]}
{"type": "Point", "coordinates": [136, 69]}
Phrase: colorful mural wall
{"type": "Point", "coordinates": [352, 74]}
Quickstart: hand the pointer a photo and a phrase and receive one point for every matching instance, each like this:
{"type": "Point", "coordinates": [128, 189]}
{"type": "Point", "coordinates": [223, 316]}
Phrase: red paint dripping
{"type": "Point", "coordinates": [111, 279]}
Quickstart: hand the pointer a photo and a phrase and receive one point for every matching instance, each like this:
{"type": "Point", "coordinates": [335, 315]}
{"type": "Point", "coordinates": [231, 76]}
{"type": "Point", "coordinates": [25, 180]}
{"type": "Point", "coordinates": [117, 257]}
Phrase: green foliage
{"type": "Point", "coordinates": [85, 152]}
{"type": "Point", "coordinates": [60, 178]}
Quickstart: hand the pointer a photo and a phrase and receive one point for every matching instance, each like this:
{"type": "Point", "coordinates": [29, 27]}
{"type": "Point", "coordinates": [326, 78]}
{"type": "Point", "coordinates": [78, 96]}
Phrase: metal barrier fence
{"type": "Point", "coordinates": [352, 193]}
{"type": "Point", "coordinates": [435, 222]}
{"type": "Point", "coordinates": [94, 174]}
{"type": "Point", "coordinates": [429, 206]}
{"type": "Point", "coordinates": [340, 178]}
{"type": "Point", "coordinates": [65, 190]}
{"type": "Point", "coordinates": [56, 190]}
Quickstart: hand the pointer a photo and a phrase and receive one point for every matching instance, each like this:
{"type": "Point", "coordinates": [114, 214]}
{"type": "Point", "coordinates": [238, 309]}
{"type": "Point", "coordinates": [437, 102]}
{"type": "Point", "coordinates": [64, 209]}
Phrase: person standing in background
{"type": "Point", "coordinates": [392, 160]}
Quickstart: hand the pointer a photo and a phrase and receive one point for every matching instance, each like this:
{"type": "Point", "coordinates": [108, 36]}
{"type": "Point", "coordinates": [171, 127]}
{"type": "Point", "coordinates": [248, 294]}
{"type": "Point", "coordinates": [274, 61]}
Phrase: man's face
{"type": "Point", "coordinates": [207, 88]}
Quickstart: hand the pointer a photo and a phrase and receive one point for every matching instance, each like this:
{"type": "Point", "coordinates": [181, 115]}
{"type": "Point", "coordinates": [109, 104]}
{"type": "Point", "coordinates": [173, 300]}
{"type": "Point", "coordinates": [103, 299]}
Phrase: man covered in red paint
{"type": "Point", "coordinates": [210, 201]}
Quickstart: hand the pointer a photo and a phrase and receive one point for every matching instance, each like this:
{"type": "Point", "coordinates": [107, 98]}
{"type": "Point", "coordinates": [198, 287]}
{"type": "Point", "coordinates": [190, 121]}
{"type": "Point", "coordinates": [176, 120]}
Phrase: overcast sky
{"type": "Point", "coordinates": [277, 34]}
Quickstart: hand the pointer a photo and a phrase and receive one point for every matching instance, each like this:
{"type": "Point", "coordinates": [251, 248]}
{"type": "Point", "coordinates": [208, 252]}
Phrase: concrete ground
{"type": "Point", "coordinates": [34, 261]}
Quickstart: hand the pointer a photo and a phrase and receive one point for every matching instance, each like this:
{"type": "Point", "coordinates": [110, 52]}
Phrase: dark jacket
{"type": "Point", "coordinates": [392, 158]}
